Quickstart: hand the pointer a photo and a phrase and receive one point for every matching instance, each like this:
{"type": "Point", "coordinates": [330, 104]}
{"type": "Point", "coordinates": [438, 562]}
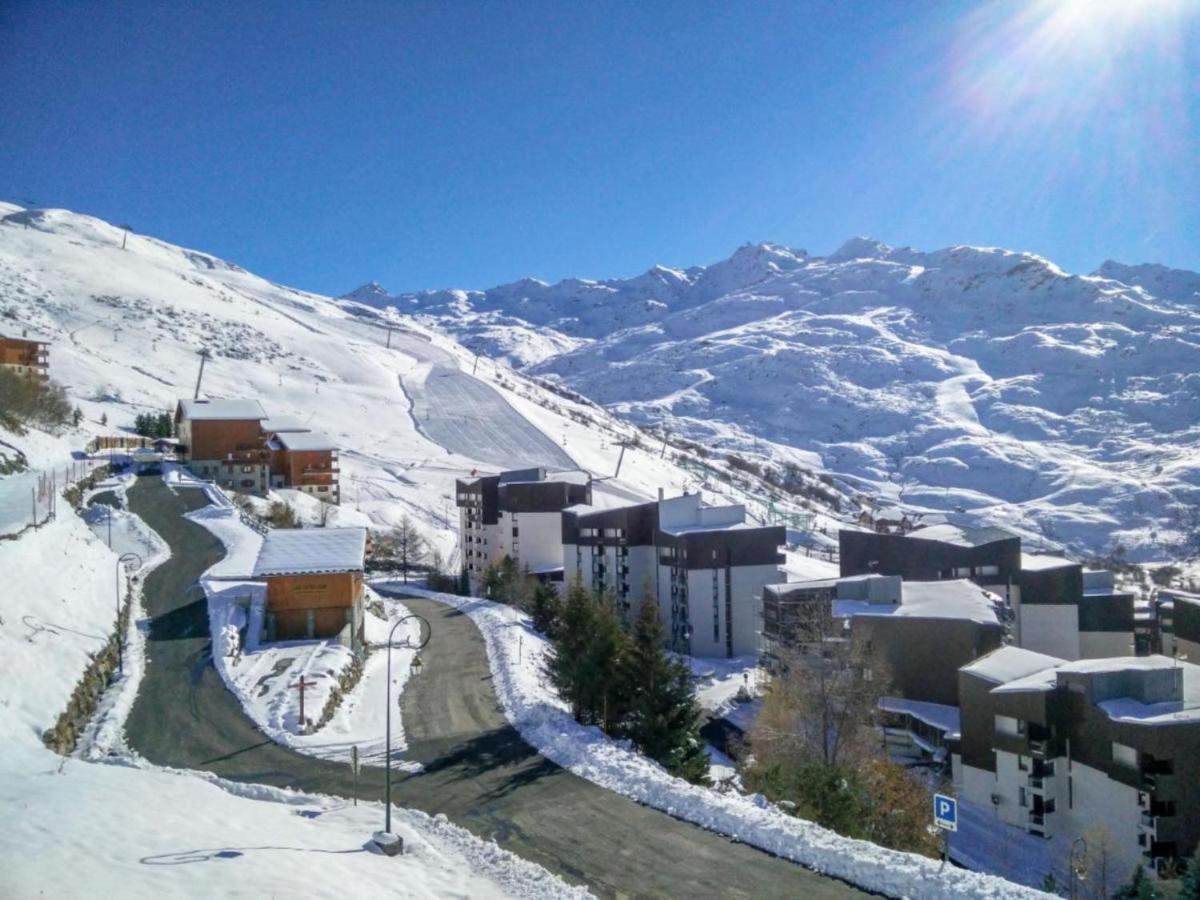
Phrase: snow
{"type": "Point", "coordinates": [297, 551]}
{"type": "Point", "coordinates": [278, 424]}
{"type": "Point", "coordinates": [543, 720]}
{"type": "Point", "coordinates": [107, 824]}
{"type": "Point", "coordinates": [982, 384]}
{"type": "Point", "coordinates": [952, 599]}
{"type": "Point", "coordinates": [938, 715]}
{"type": "Point", "coordinates": [305, 440]}
{"type": "Point", "coordinates": [221, 409]}
{"type": "Point", "coordinates": [1007, 664]}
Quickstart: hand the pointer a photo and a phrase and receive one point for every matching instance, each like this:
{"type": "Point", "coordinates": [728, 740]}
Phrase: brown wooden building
{"type": "Point", "coordinates": [314, 583]}
{"type": "Point", "coordinates": [25, 355]}
{"type": "Point", "coordinates": [222, 440]}
{"type": "Point", "coordinates": [306, 461]}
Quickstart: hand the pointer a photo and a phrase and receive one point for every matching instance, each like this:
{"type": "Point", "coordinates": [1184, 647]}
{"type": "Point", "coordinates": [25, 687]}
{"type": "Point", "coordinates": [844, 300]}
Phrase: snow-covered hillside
{"type": "Point", "coordinates": [977, 382]}
{"type": "Point", "coordinates": [127, 326]}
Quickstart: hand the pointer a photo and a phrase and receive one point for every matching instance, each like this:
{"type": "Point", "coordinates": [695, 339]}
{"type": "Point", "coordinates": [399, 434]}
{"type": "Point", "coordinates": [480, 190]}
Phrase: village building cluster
{"type": "Point", "coordinates": [1043, 694]}
{"type": "Point", "coordinates": [237, 445]}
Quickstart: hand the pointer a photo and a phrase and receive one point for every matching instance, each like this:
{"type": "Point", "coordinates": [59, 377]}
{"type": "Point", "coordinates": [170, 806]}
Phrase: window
{"type": "Point", "coordinates": [1050, 805]}
{"type": "Point", "coordinates": [1022, 764]}
{"type": "Point", "coordinates": [1021, 799]}
{"type": "Point", "coordinates": [987, 570]}
{"type": "Point", "coordinates": [1124, 756]}
{"type": "Point", "coordinates": [1008, 725]}
{"type": "Point", "coordinates": [247, 468]}
{"type": "Point", "coordinates": [1022, 727]}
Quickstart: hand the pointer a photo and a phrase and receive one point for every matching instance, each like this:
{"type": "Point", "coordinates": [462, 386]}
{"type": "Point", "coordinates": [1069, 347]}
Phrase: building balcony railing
{"type": "Point", "coordinates": [1037, 818]}
{"type": "Point", "coordinates": [1039, 749]}
{"type": "Point", "coordinates": [1038, 782]}
{"type": "Point", "coordinates": [1147, 822]}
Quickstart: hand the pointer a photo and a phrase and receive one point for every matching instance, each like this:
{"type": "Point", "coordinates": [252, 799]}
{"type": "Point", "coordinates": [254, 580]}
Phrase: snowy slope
{"type": "Point", "coordinates": [127, 326]}
{"type": "Point", "coordinates": [977, 382]}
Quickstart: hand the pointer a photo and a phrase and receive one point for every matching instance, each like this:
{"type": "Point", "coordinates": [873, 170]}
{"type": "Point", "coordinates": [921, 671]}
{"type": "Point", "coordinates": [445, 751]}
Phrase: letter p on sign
{"type": "Point", "coordinates": [945, 812]}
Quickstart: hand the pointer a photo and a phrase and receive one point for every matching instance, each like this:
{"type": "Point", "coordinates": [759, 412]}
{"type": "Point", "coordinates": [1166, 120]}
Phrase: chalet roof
{"type": "Point", "coordinates": [277, 424]}
{"type": "Point", "coordinates": [221, 410]}
{"type": "Point", "coordinates": [310, 551]}
{"type": "Point", "coordinates": [15, 335]}
{"type": "Point", "coordinates": [305, 440]}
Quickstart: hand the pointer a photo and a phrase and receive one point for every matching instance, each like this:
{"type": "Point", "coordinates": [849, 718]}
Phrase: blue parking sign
{"type": "Point", "coordinates": [945, 812]}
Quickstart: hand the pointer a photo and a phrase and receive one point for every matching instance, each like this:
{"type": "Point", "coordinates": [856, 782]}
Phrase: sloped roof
{"type": "Point", "coordinates": [1010, 663]}
{"type": "Point", "coordinates": [276, 424]}
{"type": "Point", "coordinates": [962, 537]}
{"type": "Point", "coordinates": [221, 410]}
{"type": "Point", "coordinates": [305, 440]}
{"type": "Point", "coordinates": [958, 599]}
{"type": "Point", "coordinates": [310, 551]}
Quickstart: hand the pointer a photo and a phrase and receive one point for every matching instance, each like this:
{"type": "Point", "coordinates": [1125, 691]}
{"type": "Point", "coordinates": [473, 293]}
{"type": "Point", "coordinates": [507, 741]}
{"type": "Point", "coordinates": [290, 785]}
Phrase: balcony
{"type": "Point", "coordinates": [1147, 822]}
{"type": "Point", "coordinates": [1037, 783]}
{"type": "Point", "coordinates": [1037, 819]}
{"type": "Point", "coordinates": [1039, 749]}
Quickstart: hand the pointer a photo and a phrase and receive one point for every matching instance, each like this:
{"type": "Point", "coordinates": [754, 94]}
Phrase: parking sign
{"type": "Point", "coordinates": [945, 812]}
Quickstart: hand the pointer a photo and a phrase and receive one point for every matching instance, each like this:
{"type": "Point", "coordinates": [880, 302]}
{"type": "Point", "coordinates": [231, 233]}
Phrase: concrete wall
{"type": "Point", "coordinates": [1049, 629]}
{"type": "Point", "coordinates": [1105, 644]}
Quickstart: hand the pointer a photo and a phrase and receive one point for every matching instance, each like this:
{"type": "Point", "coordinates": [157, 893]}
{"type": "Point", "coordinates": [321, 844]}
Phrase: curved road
{"type": "Point", "coordinates": [478, 769]}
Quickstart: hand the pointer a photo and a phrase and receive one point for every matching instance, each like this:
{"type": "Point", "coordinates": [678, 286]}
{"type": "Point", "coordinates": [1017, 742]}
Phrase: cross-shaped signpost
{"type": "Point", "coordinates": [302, 684]}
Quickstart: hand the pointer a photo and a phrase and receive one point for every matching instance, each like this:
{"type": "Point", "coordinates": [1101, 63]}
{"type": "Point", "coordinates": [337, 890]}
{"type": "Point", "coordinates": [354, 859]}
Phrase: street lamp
{"type": "Point", "coordinates": [407, 645]}
{"type": "Point", "coordinates": [124, 558]}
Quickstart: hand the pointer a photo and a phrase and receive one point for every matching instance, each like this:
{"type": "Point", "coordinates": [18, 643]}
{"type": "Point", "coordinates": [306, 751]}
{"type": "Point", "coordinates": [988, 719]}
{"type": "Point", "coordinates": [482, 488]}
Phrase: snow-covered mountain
{"type": "Point", "coordinates": [978, 382]}
{"type": "Point", "coordinates": [411, 408]}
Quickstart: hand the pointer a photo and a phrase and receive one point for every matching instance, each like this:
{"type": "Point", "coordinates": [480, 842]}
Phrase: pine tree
{"type": "Point", "coordinates": [566, 667]}
{"type": "Point", "coordinates": [76, 416]}
{"type": "Point", "coordinates": [407, 545]}
{"type": "Point", "coordinates": [1190, 889]}
{"type": "Point", "coordinates": [544, 608]}
{"type": "Point", "coordinates": [663, 720]}
{"type": "Point", "coordinates": [1139, 887]}
{"type": "Point", "coordinates": [104, 419]}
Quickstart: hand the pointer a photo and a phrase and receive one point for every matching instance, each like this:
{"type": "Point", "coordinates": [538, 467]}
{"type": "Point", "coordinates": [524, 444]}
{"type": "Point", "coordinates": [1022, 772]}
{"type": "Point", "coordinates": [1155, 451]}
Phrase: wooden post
{"type": "Point", "coordinates": [302, 684]}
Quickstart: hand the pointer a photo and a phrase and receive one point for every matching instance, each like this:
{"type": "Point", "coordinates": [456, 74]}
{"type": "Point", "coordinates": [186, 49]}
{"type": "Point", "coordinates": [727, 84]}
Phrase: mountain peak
{"type": "Point", "coordinates": [372, 293]}
{"type": "Point", "coordinates": [860, 248]}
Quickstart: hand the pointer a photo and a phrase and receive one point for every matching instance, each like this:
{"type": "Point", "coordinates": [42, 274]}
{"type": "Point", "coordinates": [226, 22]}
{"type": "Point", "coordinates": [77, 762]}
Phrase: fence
{"type": "Point", "coordinates": [30, 499]}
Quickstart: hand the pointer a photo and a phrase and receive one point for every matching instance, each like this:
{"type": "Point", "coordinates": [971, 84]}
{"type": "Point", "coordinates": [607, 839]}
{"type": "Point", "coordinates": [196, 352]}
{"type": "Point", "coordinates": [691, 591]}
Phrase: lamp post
{"type": "Point", "coordinates": [124, 558]}
{"type": "Point", "coordinates": [387, 820]}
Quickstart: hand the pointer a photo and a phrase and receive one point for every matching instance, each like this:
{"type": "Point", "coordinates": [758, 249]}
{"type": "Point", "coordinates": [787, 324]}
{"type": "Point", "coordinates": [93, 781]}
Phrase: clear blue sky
{"type": "Point", "coordinates": [468, 144]}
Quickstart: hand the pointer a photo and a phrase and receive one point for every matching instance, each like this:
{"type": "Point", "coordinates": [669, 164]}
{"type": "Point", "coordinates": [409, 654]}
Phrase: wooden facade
{"type": "Point", "coordinates": [25, 356]}
{"type": "Point", "coordinates": [314, 606]}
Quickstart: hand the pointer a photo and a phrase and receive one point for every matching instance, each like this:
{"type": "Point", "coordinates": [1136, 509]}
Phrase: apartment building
{"type": "Point", "coordinates": [25, 354]}
{"type": "Point", "coordinates": [1058, 608]}
{"type": "Point", "coordinates": [1107, 750]}
{"type": "Point", "coordinates": [704, 565]}
{"type": "Point", "coordinates": [913, 636]}
{"type": "Point", "coordinates": [517, 514]}
{"type": "Point", "coordinates": [1178, 615]}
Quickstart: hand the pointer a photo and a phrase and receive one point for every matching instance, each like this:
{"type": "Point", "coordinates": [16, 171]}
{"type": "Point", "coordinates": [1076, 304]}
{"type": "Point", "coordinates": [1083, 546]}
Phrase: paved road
{"type": "Point", "coordinates": [469, 417]}
{"type": "Point", "coordinates": [478, 769]}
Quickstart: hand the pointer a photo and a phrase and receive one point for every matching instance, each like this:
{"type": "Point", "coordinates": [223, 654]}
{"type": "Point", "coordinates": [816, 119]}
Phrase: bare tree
{"type": "Point", "coordinates": [406, 545]}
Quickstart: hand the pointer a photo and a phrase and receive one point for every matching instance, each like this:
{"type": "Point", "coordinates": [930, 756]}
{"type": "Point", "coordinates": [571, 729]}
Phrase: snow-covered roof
{"type": "Point", "coordinates": [961, 536]}
{"type": "Point", "coordinates": [1007, 664]}
{"type": "Point", "coordinates": [202, 410]}
{"type": "Point", "coordinates": [276, 424]}
{"type": "Point", "coordinates": [305, 440]}
{"type": "Point", "coordinates": [1041, 562]}
{"type": "Point", "coordinates": [957, 599]}
{"type": "Point", "coordinates": [300, 551]}
{"type": "Point", "coordinates": [26, 336]}
{"type": "Point", "coordinates": [941, 716]}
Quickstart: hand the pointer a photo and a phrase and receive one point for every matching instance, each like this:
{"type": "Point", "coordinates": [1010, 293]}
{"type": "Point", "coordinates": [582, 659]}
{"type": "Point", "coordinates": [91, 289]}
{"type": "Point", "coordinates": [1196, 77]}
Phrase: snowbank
{"type": "Point", "coordinates": [543, 720]}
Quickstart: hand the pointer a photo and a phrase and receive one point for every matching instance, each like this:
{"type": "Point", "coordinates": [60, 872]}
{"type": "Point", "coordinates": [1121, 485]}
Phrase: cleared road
{"type": "Point", "coordinates": [469, 417]}
{"type": "Point", "coordinates": [478, 769]}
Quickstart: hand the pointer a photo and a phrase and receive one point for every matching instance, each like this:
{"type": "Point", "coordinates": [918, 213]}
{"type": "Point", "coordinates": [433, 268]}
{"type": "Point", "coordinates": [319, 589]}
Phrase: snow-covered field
{"type": "Point", "coordinates": [974, 382]}
{"type": "Point", "coordinates": [517, 653]}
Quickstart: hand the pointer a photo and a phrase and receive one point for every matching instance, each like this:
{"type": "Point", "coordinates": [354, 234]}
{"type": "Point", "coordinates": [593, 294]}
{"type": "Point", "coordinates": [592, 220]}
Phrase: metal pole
{"type": "Point", "coordinates": [387, 763]}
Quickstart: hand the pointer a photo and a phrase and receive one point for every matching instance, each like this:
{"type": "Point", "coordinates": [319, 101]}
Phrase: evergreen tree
{"type": "Point", "coordinates": [566, 667]}
{"type": "Point", "coordinates": [663, 719]}
{"type": "Point", "coordinates": [164, 424]}
{"type": "Point", "coordinates": [544, 608]}
{"type": "Point", "coordinates": [104, 419]}
{"type": "Point", "coordinates": [1190, 890]}
{"type": "Point", "coordinates": [1139, 887]}
{"type": "Point", "coordinates": [76, 416]}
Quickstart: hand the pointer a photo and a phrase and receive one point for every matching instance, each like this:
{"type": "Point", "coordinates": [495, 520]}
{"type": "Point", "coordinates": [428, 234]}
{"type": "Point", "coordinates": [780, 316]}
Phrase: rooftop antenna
{"type": "Point", "coordinates": [204, 355]}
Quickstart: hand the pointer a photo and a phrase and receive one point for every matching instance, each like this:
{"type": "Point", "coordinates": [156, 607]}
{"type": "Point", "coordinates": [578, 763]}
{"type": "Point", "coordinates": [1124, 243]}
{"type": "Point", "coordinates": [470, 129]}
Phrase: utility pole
{"type": "Point", "coordinates": [389, 337]}
{"type": "Point", "coordinates": [476, 366]}
{"type": "Point", "coordinates": [124, 238]}
{"type": "Point", "coordinates": [204, 354]}
{"type": "Point", "coordinates": [302, 684]}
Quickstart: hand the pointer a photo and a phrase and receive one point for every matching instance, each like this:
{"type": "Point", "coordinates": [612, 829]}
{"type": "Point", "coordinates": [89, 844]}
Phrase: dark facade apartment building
{"type": "Point", "coordinates": [1178, 623]}
{"type": "Point", "coordinates": [704, 566]}
{"type": "Point", "coordinates": [1102, 749]}
{"type": "Point", "coordinates": [913, 635]}
{"type": "Point", "coordinates": [1057, 607]}
{"type": "Point", "coordinates": [518, 514]}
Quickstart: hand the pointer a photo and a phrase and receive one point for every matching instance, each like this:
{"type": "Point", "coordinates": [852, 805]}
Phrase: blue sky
{"type": "Point", "coordinates": [468, 144]}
